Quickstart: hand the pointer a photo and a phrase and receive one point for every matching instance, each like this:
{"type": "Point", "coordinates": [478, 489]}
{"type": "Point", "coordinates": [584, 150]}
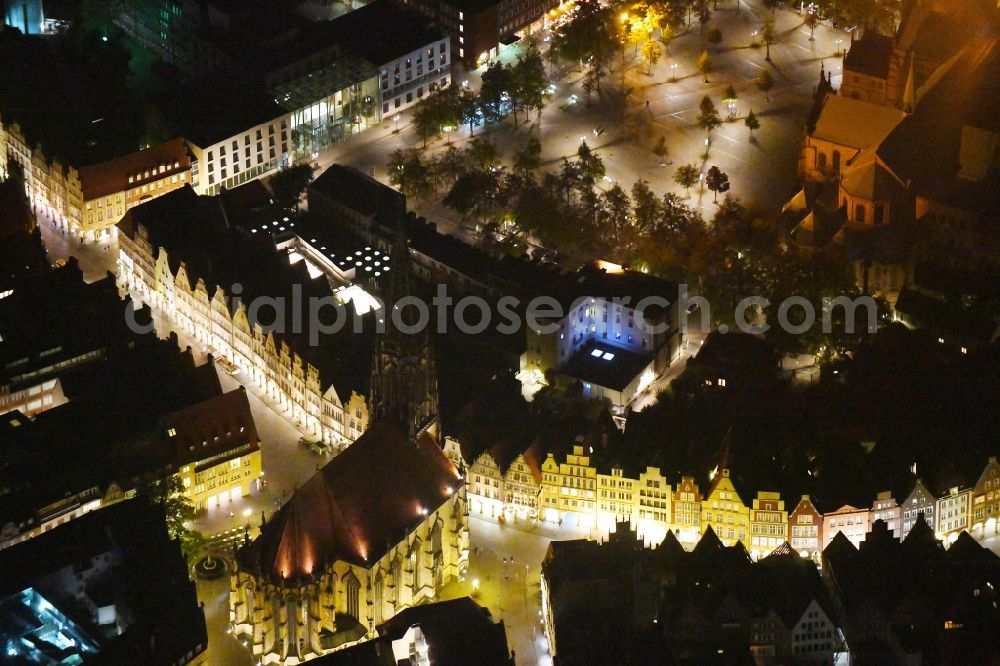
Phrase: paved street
{"type": "Point", "coordinates": [505, 564]}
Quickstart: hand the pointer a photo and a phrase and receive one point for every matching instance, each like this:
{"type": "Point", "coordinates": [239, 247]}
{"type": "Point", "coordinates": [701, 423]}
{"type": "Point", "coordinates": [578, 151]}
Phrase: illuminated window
{"type": "Point", "coordinates": [171, 432]}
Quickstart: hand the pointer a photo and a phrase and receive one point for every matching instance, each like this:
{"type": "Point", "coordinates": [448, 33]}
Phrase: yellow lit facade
{"type": "Point", "coordinates": [111, 188]}
{"type": "Point", "coordinates": [47, 182]}
{"type": "Point", "coordinates": [724, 511]}
{"type": "Point", "coordinates": [215, 482]}
{"type": "Point", "coordinates": [569, 489]}
{"type": "Point", "coordinates": [986, 500]}
{"type": "Point", "coordinates": [768, 524]}
{"type": "Point", "coordinates": [279, 372]}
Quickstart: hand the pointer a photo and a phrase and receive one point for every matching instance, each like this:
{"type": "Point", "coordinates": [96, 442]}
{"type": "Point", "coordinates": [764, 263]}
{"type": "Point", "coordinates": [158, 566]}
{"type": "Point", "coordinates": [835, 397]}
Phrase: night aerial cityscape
{"type": "Point", "coordinates": [500, 332]}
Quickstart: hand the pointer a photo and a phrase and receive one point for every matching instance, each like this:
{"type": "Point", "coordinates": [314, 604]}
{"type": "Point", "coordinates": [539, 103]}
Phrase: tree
{"type": "Point", "coordinates": [427, 118]}
{"type": "Point", "coordinates": [717, 181]}
{"type": "Point", "coordinates": [590, 164]}
{"type": "Point", "coordinates": [704, 65]}
{"type": "Point", "coordinates": [590, 38]}
{"type": "Point", "coordinates": [475, 194]}
{"type": "Point", "coordinates": [529, 158]}
{"type": "Point", "coordinates": [686, 176]}
{"type": "Point", "coordinates": [811, 22]}
{"type": "Point", "coordinates": [729, 98]}
{"type": "Point", "coordinates": [483, 153]}
{"type": "Point", "coordinates": [704, 15]}
{"type": "Point", "coordinates": [708, 118]}
{"type": "Point", "coordinates": [530, 81]}
{"type": "Point", "coordinates": [661, 149]}
{"type": "Point", "coordinates": [768, 36]}
{"type": "Point", "coordinates": [652, 52]}
{"type": "Point", "coordinates": [772, 5]}
{"type": "Point", "coordinates": [646, 208]}
{"type": "Point", "coordinates": [167, 493]}
{"type": "Point", "coordinates": [752, 123]}
{"type": "Point", "coordinates": [765, 81]}
{"type": "Point", "coordinates": [452, 163]}
{"type": "Point", "coordinates": [714, 37]}
{"type": "Point", "coordinates": [469, 109]}
{"type": "Point", "coordinates": [497, 82]}
{"type": "Point", "coordinates": [289, 184]}
{"type": "Point", "coordinates": [410, 173]}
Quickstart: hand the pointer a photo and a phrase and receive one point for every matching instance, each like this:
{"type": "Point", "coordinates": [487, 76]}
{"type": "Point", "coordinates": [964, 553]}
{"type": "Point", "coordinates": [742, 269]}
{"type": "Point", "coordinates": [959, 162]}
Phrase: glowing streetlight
{"type": "Point", "coordinates": [753, 35]}
{"type": "Point", "coordinates": [673, 71]}
{"type": "Point", "coordinates": [395, 119]}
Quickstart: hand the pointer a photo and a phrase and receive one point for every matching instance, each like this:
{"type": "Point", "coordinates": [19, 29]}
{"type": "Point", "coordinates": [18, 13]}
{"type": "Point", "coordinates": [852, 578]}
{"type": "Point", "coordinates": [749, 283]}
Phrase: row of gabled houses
{"type": "Point", "coordinates": [889, 601]}
{"type": "Point", "coordinates": [535, 477]}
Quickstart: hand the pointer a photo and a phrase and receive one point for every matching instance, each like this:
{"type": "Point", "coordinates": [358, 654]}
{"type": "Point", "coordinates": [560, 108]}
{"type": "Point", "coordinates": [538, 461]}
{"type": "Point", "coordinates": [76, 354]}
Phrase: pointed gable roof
{"type": "Point", "coordinates": [355, 508]}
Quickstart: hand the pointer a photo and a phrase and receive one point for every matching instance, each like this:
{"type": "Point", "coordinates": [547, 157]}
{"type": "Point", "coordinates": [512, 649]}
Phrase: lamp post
{"type": "Point", "coordinates": [839, 42]}
{"type": "Point", "coordinates": [395, 119]}
{"type": "Point", "coordinates": [673, 71]}
{"type": "Point", "coordinates": [753, 38]}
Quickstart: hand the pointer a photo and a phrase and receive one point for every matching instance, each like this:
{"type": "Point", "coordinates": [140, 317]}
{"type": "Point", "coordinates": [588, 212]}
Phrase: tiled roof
{"type": "Point", "coordinates": [112, 176]}
{"type": "Point", "coordinates": [355, 508]}
{"type": "Point", "coordinates": [870, 55]}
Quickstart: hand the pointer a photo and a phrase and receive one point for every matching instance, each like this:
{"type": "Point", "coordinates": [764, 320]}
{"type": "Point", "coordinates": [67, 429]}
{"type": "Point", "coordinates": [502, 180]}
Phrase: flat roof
{"type": "Point", "coordinates": [602, 363]}
{"type": "Point", "coordinates": [382, 31]}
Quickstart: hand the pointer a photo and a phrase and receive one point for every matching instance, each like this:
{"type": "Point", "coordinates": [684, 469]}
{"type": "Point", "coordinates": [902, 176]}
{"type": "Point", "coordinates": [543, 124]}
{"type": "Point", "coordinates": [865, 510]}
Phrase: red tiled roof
{"type": "Point", "coordinates": [217, 425]}
{"type": "Point", "coordinates": [109, 177]}
{"type": "Point", "coordinates": [354, 509]}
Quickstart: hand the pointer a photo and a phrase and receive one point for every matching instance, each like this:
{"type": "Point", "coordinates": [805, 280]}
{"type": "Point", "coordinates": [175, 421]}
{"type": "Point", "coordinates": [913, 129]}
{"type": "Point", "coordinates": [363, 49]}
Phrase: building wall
{"type": "Point", "coordinates": [277, 616]}
{"type": "Point", "coordinates": [216, 483]}
{"type": "Point", "coordinates": [46, 182]}
{"type": "Point", "coordinates": [277, 372]}
{"type": "Point", "coordinates": [863, 87]}
{"type": "Point", "coordinates": [768, 523]}
{"type": "Point", "coordinates": [404, 81]}
{"type": "Point", "coordinates": [823, 159]}
{"type": "Point", "coordinates": [886, 509]}
{"type": "Point", "coordinates": [248, 155]}
{"type": "Point", "coordinates": [954, 512]}
{"type": "Point", "coordinates": [920, 500]}
{"type": "Point", "coordinates": [986, 500]}
{"type": "Point", "coordinates": [806, 528]}
{"type": "Point", "coordinates": [854, 523]}
{"type": "Point", "coordinates": [724, 511]}
{"type": "Point", "coordinates": [104, 212]}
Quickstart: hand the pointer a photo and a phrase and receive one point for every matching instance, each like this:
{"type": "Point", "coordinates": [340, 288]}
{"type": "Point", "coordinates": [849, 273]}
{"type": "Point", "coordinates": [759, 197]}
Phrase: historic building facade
{"type": "Point", "coordinates": [272, 365]}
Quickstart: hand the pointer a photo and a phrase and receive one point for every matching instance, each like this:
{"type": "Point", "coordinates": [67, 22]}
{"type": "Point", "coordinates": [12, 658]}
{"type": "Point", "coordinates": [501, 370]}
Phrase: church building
{"type": "Point", "coordinates": [382, 527]}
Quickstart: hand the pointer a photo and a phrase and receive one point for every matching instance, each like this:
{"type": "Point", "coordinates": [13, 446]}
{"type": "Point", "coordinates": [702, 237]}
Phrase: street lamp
{"type": "Point", "coordinates": [753, 35]}
{"type": "Point", "coordinates": [395, 118]}
{"type": "Point", "coordinates": [673, 71]}
{"type": "Point", "coordinates": [839, 42]}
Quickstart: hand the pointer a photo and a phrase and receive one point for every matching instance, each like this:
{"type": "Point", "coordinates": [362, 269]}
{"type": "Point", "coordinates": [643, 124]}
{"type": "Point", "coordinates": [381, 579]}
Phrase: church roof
{"type": "Point", "coordinates": [854, 123]}
{"type": "Point", "coordinates": [355, 508]}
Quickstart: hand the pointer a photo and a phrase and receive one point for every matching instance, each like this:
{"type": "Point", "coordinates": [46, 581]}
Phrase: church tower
{"type": "Point", "coordinates": [403, 386]}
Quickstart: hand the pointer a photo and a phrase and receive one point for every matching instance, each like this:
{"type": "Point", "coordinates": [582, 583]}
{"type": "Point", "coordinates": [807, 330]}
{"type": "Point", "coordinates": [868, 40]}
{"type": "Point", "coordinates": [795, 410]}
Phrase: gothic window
{"type": "Point", "coordinates": [353, 589]}
{"type": "Point", "coordinates": [377, 593]}
{"type": "Point", "coordinates": [417, 563]}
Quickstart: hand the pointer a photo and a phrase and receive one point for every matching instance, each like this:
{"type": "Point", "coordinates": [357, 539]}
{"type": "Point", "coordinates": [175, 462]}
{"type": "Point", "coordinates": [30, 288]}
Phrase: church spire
{"type": "Point", "coordinates": [403, 387]}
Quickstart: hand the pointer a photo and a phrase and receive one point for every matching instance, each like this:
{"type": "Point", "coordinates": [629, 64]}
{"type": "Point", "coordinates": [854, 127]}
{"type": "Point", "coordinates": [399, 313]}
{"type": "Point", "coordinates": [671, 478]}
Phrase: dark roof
{"type": "Point", "coordinates": [22, 251]}
{"type": "Point", "coordinates": [350, 188]}
{"type": "Point", "coordinates": [925, 311]}
{"type": "Point", "coordinates": [736, 350]}
{"type": "Point", "coordinates": [591, 363]}
{"type": "Point", "coordinates": [131, 390]}
{"type": "Point", "coordinates": [211, 428]}
{"type": "Point", "coordinates": [113, 176]}
{"type": "Point", "coordinates": [356, 507]}
{"type": "Point", "coordinates": [220, 113]}
{"type": "Point", "coordinates": [56, 316]}
{"type": "Point", "coordinates": [870, 55]}
{"type": "Point", "coordinates": [220, 251]}
{"type": "Point", "coordinates": [458, 632]}
{"type": "Point", "coordinates": [382, 31]}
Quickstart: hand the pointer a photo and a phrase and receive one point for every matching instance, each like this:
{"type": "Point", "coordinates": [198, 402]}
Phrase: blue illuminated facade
{"type": "Point", "coordinates": [34, 631]}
